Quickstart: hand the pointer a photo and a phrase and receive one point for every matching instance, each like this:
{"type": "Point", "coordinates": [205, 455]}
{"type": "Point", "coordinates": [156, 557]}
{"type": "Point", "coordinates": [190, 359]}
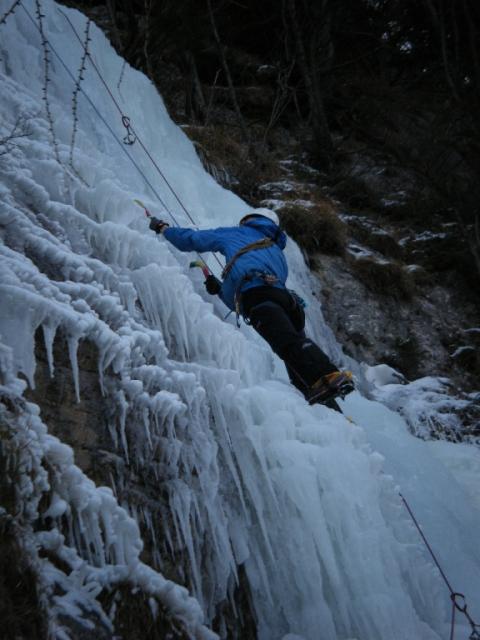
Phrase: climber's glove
{"type": "Point", "coordinates": [158, 225]}
{"type": "Point", "coordinates": [212, 285]}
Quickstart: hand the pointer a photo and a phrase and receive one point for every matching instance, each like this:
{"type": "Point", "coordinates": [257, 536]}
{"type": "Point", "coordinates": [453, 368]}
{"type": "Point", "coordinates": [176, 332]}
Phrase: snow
{"type": "Point", "coordinates": [414, 268]}
{"type": "Point", "coordinates": [279, 204]}
{"type": "Point", "coordinates": [358, 251]}
{"type": "Point", "coordinates": [291, 165]}
{"type": "Point", "coordinates": [447, 473]}
{"type": "Point", "coordinates": [97, 524]}
{"type": "Point", "coordinates": [281, 187]}
{"type": "Point", "coordinates": [381, 374]}
{"type": "Point", "coordinates": [425, 236]}
{"type": "Point", "coordinates": [306, 500]}
{"type": "Point", "coordinates": [461, 351]}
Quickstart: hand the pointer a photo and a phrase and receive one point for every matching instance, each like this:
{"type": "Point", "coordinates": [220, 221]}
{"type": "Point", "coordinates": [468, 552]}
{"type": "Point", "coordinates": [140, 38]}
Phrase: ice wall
{"type": "Point", "coordinates": [253, 475]}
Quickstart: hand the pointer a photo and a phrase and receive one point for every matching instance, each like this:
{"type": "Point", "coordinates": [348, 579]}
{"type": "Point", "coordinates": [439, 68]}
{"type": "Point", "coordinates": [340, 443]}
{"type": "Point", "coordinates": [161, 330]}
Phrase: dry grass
{"type": "Point", "coordinates": [316, 229]}
{"type": "Point", "coordinates": [225, 156]}
{"type": "Point", "coordinates": [384, 278]}
{"type": "Point", "coordinates": [356, 195]}
{"type": "Point", "coordinates": [221, 154]}
{"type": "Point", "coordinates": [218, 142]}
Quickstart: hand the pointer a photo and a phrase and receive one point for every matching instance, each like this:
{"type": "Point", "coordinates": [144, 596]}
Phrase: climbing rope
{"type": "Point", "coordinates": [458, 599]}
{"type": "Point", "coordinates": [46, 66]}
{"type": "Point", "coordinates": [103, 120]}
{"type": "Point", "coordinates": [455, 597]}
{"type": "Point", "coordinates": [122, 73]}
{"type": "Point", "coordinates": [131, 136]}
{"type": "Point", "coordinates": [76, 91]}
{"type": "Point", "coordinates": [9, 12]}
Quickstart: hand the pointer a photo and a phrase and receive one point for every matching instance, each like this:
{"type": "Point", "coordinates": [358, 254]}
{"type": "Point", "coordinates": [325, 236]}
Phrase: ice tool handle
{"type": "Point", "coordinates": [199, 263]}
{"type": "Point", "coordinates": [140, 204]}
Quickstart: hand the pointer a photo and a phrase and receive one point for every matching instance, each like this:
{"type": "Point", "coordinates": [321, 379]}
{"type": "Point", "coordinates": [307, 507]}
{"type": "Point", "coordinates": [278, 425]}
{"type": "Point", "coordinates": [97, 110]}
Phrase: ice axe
{"type": "Point", "coordinates": [199, 263]}
{"type": "Point", "coordinates": [156, 224]}
{"type": "Point", "coordinates": [212, 283]}
{"type": "Point", "coordinates": [140, 204]}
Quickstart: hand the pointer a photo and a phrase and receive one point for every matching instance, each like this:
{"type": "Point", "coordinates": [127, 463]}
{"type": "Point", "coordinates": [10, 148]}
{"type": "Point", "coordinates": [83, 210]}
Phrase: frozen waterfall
{"type": "Point", "coordinates": [304, 499]}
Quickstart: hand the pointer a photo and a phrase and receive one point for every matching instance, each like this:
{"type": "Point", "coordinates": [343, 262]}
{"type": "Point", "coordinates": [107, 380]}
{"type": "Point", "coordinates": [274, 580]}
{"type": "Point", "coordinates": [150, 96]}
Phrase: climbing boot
{"type": "Point", "coordinates": [333, 385]}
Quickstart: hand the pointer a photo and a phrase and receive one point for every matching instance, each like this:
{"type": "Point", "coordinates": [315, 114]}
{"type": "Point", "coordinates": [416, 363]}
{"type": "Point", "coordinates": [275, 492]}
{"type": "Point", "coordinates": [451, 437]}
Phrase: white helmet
{"type": "Point", "coordinates": [265, 213]}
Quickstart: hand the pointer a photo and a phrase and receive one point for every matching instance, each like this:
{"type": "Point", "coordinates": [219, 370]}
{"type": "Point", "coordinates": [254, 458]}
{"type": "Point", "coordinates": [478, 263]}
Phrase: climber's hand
{"type": "Point", "coordinates": [212, 285]}
{"type": "Point", "coordinates": [158, 225]}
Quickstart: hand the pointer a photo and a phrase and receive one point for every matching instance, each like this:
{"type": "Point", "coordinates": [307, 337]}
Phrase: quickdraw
{"type": "Point", "coordinates": [130, 137]}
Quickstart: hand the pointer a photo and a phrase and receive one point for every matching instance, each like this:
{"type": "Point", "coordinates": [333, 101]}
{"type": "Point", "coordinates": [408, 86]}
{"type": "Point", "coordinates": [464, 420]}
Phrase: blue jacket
{"type": "Point", "coordinates": [228, 240]}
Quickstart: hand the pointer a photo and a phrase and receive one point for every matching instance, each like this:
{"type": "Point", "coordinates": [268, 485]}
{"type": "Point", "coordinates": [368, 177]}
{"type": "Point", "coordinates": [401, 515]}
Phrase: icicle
{"type": "Point", "coordinates": [253, 474]}
{"type": "Point", "coordinates": [49, 332]}
{"type": "Point", "coordinates": [72, 342]}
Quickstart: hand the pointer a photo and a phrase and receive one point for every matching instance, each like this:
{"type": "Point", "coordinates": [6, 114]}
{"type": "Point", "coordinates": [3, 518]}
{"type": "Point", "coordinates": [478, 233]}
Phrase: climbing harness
{"type": "Point", "coordinates": [264, 243]}
{"type": "Point", "coordinates": [458, 599]}
{"type": "Point", "coordinates": [455, 597]}
{"type": "Point", "coordinates": [268, 278]}
{"type": "Point", "coordinates": [297, 299]}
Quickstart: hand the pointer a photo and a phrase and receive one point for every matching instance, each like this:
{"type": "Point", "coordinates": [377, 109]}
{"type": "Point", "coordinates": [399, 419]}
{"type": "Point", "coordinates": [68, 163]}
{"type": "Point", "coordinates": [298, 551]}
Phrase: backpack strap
{"type": "Point", "coordinates": [264, 243]}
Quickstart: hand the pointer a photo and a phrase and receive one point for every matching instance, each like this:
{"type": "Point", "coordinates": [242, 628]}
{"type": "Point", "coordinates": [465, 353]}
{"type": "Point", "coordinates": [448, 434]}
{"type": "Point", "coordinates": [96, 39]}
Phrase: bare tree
{"type": "Point", "coordinates": [228, 75]}
{"type": "Point", "coordinates": [282, 98]}
{"type": "Point", "coordinates": [19, 130]}
{"type": "Point", "coordinates": [195, 107]}
{"type": "Point", "coordinates": [471, 235]}
{"type": "Point", "coordinates": [310, 63]}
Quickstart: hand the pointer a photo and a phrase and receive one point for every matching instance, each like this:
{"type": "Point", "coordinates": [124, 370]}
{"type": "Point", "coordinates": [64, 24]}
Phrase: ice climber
{"type": "Point", "coordinates": [253, 285]}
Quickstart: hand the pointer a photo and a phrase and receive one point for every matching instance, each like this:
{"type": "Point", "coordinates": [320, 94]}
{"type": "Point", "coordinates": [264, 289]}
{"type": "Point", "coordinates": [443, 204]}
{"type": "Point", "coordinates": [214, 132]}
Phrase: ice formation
{"type": "Point", "coordinates": [298, 495]}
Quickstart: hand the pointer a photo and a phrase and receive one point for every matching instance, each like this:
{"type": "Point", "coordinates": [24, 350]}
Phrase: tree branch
{"type": "Point", "coordinates": [18, 131]}
{"type": "Point", "coordinates": [226, 69]}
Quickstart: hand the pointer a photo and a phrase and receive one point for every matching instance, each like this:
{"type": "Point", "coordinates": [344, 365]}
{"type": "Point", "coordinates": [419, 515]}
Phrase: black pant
{"type": "Point", "coordinates": [278, 317]}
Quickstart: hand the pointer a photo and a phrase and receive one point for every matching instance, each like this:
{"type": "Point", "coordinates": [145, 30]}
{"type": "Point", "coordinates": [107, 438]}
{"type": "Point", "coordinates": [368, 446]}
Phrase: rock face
{"type": "Point", "coordinates": [390, 293]}
{"type": "Point", "coordinates": [87, 427]}
{"type": "Point", "coordinates": [83, 425]}
{"type": "Point", "coordinates": [418, 337]}
{"type": "Point", "coordinates": [371, 173]}
{"type": "Point", "coordinates": [414, 336]}
{"type": "Point", "coordinates": [28, 600]}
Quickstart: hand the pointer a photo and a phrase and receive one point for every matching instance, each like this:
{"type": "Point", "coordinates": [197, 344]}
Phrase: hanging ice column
{"type": "Point", "coordinates": [252, 474]}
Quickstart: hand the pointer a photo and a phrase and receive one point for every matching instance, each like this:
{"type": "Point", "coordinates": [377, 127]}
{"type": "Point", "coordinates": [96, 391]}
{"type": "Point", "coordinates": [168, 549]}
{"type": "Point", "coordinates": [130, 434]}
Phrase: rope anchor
{"type": "Point", "coordinates": [457, 599]}
{"type": "Point", "coordinates": [130, 137]}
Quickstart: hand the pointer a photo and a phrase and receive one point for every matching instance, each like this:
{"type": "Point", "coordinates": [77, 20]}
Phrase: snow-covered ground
{"type": "Point", "coordinates": [305, 498]}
